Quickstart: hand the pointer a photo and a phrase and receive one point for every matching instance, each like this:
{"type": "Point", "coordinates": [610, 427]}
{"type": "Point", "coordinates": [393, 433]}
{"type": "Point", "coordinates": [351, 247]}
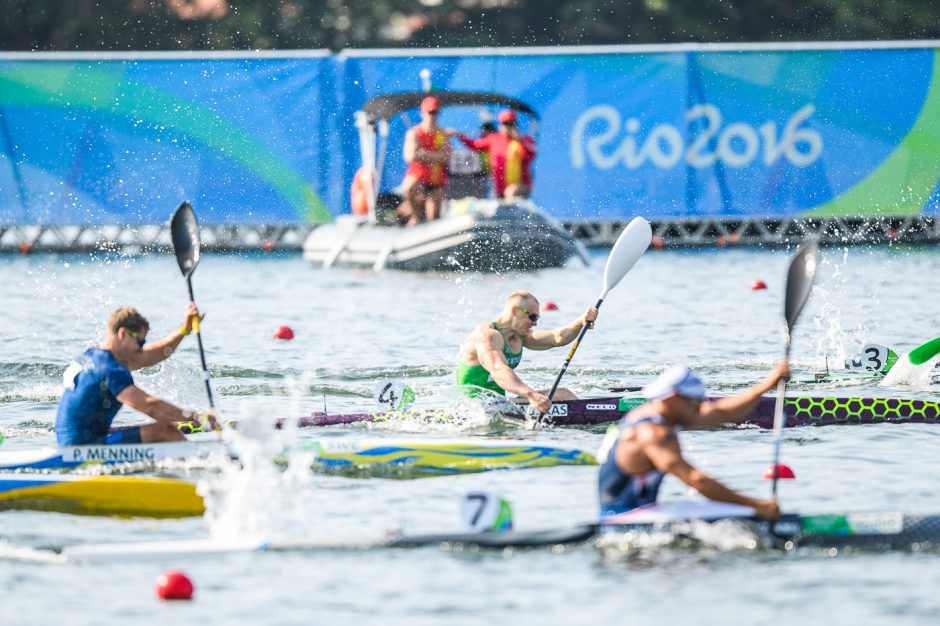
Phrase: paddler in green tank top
{"type": "Point", "coordinates": [494, 349]}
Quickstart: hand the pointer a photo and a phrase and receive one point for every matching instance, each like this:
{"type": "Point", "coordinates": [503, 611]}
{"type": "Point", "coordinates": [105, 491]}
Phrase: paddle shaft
{"type": "Point", "coordinates": [574, 348]}
{"type": "Point", "coordinates": [780, 419]}
{"type": "Point", "coordinates": [800, 277]}
{"type": "Point", "coordinates": [202, 353]}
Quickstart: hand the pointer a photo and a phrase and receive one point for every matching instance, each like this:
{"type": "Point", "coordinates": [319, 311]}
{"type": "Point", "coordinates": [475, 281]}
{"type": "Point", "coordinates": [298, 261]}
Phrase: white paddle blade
{"type": "Point", "coordinates": [629, 247]}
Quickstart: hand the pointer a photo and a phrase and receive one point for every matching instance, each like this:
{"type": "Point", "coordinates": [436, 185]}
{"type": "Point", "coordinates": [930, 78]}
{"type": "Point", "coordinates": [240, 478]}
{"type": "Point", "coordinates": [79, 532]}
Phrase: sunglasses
{"type": "Point", "coordinates": [140, 340]}
{"type": "Point", "coordinates": [533, 317]}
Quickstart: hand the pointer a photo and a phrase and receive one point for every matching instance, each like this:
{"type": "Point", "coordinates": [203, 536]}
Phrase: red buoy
{"type": "Point", "coordinates": [549, 306]}
{"type": "Point", "coordinates": [174, 585]}
{"type": "Point", "coordinates": [284, 332]}
{"type": "Point", "coordinates": [757, 285]}
{"type": "Point", "coordinates": [782, 472]}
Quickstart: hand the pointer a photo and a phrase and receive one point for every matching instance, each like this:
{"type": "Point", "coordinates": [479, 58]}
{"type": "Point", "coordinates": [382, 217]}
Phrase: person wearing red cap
{"type": "Point", "coordinates": [510, 156]}
{"type": "Point", "coordinates": [427, 152]}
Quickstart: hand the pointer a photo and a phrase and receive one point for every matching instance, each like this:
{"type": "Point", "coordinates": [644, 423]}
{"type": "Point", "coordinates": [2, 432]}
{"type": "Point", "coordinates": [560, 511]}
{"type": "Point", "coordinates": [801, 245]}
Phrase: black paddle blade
{"type": "Point", "coordinates": [184, 231]}
{"type": "Point", "coordinates": [800, 280]}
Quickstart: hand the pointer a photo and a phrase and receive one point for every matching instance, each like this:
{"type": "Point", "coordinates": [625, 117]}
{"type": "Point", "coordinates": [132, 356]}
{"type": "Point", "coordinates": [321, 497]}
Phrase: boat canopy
{"type": "Point", "coordinates": [386, 106]}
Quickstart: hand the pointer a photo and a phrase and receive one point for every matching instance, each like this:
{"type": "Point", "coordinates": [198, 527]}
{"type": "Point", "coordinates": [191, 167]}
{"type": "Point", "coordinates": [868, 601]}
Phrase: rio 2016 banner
{"type": "Point", "coordinates": [660, 132]}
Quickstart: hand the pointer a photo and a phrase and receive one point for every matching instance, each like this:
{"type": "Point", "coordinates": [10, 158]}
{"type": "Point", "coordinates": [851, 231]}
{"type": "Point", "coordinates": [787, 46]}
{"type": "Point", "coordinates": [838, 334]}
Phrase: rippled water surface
{"type": "Point", "coordinates": [355, 328]}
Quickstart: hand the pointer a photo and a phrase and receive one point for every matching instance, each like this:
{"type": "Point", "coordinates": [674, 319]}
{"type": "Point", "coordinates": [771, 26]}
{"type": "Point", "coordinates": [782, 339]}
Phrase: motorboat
{"type": "Point", "coordinates": [474, 233]}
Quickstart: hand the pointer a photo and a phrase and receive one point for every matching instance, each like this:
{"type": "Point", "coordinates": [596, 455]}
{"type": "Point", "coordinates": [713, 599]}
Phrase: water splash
{"type": "Point", "coordinates": [25, 554]}
{"type": "Point", "coordinates": [833, 338]}
{"type": "Point", "coordinates": [252, 496]}
{"type": "Point", "coordinates": [707, 537]}
{"type": "Point", "coordinates": [906, 373]}
{"type": "Point", "coordinates": [487, 414]}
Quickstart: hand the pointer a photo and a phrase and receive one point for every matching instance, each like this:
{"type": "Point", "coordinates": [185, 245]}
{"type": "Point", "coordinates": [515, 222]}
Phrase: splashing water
{"type": "Point", "coordinates": [251, 497]}
{"type": "Point", "coordinates": [485, 414]}
{"type": "Point", "coordinates": [711, 537]}
{"type": "Point", "coordinates": [906, 373]}
{"type": "Point", "coordinates": [23, 554]}
{"type": "Point", "coordinates": [834, 338]}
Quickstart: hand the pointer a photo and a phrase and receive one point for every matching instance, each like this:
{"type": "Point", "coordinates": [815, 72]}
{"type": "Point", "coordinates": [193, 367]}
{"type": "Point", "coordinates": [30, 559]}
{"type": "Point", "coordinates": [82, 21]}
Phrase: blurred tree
{"type": "Point", "coordinates": [99, 25]}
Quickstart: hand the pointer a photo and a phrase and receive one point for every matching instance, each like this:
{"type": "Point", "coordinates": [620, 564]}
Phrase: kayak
{"type": "Point", "coordinates": [801, 411]}
{"type": "Point", "coordinates": [391, 457]}
{"type": "Point", "coordinates": [874, 530]}
{"type": "Point", "coordinates": [124, 496]}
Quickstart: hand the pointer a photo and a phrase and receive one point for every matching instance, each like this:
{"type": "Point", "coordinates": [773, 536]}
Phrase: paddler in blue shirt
{"type": "Point", "coordinates": [100, 382]}
{"type": "Point", "coordinates": [494, 349]}
{"type": "Point", "coordinates": [638, 453]}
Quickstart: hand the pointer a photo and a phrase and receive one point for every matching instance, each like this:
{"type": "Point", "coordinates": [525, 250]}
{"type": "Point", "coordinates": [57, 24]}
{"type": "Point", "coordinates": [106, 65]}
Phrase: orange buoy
{"type": "Point", "coordinates": [780, 471]}
{"type": "Point", "coordinates": [174, 585]}
{"type": "Point", "coordinates": [284, 332]}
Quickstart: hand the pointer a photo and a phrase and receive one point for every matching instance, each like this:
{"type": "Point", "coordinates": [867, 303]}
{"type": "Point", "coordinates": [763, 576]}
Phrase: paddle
{"type": "Point", "coordinates": [184, 231]}
{"type": "Point", "coordinates": [799, 284]}
{"type": "Point", "coordinates": [629, 247]}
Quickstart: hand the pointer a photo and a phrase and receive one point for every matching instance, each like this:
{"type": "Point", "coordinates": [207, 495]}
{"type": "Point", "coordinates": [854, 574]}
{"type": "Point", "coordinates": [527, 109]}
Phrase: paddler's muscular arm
{"type": "Point", "coordinates": [160, 410]}
{"type": "Point", "coordinates": [661, 447]}
{"type": "Point", "coordinates": [545, 339]}
{"type": "Point", "coordinates": [157, 351]}
{"type": "Point", "coordinates": [489, 349]}
{"type": "Point", "coordinates": [738, 407]}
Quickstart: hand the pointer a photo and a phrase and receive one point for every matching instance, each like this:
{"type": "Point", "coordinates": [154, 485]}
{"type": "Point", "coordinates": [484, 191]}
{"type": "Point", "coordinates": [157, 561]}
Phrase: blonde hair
{"type": "Point", "coordinates": [127, 317]}
{"type": "Point", "coordinates": [518, 297]}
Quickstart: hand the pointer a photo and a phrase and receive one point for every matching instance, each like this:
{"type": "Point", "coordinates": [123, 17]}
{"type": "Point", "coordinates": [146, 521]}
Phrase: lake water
{"type": "Point", "coordinates": [355, 328]}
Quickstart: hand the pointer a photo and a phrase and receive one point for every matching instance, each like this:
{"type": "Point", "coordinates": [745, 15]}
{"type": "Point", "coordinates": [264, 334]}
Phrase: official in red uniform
{"type": "Point", "coordinates": [510, 156]}
{"type": "Point", "coordinates": [427, 152]}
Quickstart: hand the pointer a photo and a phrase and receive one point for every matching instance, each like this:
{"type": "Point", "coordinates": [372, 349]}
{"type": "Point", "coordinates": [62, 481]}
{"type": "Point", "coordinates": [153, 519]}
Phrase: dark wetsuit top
{"type": "Point", "coordinates": [620, 492]}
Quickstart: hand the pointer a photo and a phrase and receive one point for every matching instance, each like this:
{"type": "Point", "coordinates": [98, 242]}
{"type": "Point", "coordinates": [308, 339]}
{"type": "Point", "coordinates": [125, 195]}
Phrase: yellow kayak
{"type": "Point", "coordinates": [123, 496]}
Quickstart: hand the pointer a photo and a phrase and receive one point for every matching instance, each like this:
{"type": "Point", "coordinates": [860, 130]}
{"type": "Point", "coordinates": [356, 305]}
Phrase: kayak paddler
{"type": "Point", "coordinates": [489, 356]}
{"type": "Point", "coordinates": [99, 383]}
{"type": "Point", "coordinates": [644, 447]}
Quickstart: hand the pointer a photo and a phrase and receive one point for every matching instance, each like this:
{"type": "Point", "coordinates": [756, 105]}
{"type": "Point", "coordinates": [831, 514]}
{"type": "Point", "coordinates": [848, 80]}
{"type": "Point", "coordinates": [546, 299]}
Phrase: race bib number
{"type": "Point", "coordinates": [392, 395]}
{"type": "Point", "coordinates": [486, 511]}
{"type": "Point", "coordinates": [874, 358]}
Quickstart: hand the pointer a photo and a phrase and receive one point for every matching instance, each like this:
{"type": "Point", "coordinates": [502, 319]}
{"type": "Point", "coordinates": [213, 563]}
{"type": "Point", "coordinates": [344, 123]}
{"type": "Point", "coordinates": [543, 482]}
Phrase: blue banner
{"type": "Point", "coordinates": [125, 141]}
{"type": "Point", "coordinates": [671, 133]}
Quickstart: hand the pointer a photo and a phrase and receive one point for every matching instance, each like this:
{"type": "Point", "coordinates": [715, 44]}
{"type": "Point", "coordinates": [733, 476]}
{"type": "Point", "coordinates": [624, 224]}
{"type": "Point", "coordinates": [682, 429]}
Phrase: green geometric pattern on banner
{"type": "Point", "coordinates": [74, 86]}
{"type": "Point", "coordinates": [903, 183]}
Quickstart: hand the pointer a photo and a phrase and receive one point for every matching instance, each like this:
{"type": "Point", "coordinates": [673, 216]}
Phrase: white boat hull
{"type": "Point", "coordinates": [474, 235]}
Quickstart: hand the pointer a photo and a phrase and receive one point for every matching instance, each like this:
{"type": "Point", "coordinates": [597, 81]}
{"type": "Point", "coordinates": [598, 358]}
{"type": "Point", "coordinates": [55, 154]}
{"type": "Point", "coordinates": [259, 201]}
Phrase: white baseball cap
{"type": "Point", "coordinates": [678, 379]}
